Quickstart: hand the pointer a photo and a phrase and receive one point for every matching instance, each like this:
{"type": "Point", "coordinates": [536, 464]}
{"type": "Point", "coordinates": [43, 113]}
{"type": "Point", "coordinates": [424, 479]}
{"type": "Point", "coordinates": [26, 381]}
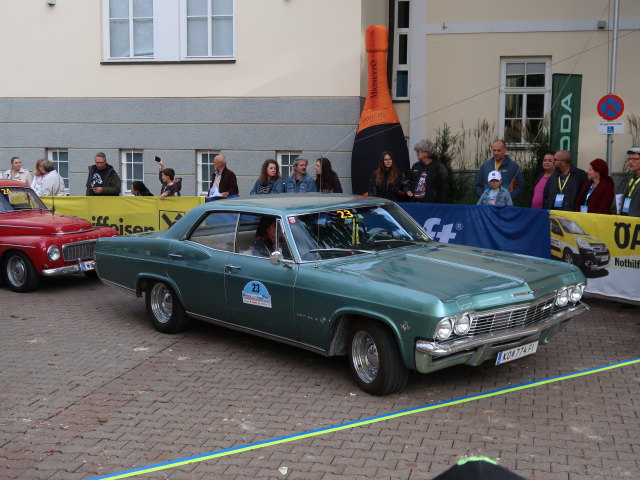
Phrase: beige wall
{"type": "Point", "coordinates": [518, 10]}
{"type": "Point", "coordinates": [463, 77]}
{"type": "Point", "coordinates": [284, 48]}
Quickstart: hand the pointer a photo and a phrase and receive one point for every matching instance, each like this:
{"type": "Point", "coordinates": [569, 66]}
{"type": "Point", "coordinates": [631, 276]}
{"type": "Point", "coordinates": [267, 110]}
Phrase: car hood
{"type": "Point", "coordinates": [590, 239]}
{"type": "Point", "coordinates": [452, 272]}
{"type": "Point", "coordinates": [34, 222]}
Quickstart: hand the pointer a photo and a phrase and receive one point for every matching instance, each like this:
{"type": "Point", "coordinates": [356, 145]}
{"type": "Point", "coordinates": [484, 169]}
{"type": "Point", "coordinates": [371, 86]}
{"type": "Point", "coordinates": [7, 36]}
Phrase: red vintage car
{"type": "Point", "coordinates": [34, 242]}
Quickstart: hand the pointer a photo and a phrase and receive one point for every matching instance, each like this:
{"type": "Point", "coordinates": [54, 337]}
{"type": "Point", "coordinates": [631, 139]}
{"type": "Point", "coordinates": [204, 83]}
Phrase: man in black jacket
{"type": "Point", "coordinates": [429, 178]}
{"type": "Point", "coordinates": [103, 179]}
{"type": "Point", "coordinates": [564, 184]}
{"type": "Point", "coordinates": [224, 183]}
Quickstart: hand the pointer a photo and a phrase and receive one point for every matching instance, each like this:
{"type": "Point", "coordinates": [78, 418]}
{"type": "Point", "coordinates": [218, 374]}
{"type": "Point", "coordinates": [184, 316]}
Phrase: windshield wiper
{"type": "Point", "coordinates": [382, 240]}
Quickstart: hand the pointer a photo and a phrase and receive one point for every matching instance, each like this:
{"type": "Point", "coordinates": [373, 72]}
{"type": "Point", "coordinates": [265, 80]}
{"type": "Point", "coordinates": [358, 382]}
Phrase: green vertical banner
{"type": "Point", "coordinates": [566, 94]}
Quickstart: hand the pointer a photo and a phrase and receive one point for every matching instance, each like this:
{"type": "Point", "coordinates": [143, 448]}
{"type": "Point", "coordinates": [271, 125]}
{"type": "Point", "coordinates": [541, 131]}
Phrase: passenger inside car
{"type": "Point", "coordinates": [265, 239]}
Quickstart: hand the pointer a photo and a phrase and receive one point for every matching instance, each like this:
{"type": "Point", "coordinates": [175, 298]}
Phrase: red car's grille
{"type": "Point", "coordinates": [78, 250]}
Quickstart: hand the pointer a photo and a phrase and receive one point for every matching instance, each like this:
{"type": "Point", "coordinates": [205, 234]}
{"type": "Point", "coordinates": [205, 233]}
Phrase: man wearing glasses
{"type": "Point", "coordinates": [631, 199]}
{"type": "Point", "coordinates": [564, 184]}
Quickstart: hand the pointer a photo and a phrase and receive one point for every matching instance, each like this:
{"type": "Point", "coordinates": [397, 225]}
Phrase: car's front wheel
{"type": "Point", "coordinates": [374, 359]}
{"type": "Point", "coordinates": [164, 309]}
{"type": "Point", "coordinates": [18, 272]}
{"type": "Point", "coordinates": [570, 257]}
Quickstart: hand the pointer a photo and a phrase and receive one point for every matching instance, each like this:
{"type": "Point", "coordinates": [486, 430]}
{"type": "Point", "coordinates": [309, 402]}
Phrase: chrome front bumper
{"type": "Point", "coordinates": [432, 355]}
{"type": "Point", "coordinates": [66, 270]}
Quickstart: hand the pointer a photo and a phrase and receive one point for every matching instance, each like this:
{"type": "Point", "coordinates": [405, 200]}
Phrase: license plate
{"type": "Point", "coordinates": [87, 266]}
{"type": "Point", "coordinates": [515, 353]}
{"type": "Point", "coordinates": [604, 258]}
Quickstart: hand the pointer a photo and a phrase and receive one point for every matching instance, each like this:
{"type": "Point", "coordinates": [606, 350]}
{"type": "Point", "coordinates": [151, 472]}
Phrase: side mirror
{"type": "Point", "coordinates": [276, 257]}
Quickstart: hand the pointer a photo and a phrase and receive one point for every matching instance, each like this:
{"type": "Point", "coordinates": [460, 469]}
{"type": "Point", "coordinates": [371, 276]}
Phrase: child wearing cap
{"type": "Point", "coordinates": [496, 195]}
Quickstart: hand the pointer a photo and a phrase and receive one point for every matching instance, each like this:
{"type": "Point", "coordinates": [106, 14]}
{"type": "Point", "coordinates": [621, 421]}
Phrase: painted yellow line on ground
{"type": "Point", "coordinates": [345, 426]}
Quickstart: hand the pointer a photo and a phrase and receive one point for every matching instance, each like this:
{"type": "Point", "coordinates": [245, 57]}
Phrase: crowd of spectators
{"type": "Point", "coordinates": [499, 180]}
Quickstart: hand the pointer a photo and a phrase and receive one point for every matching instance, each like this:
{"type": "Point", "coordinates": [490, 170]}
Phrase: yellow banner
{"type": "Point", "coordinates": [605, 247]}
{"type": "Point", "coordinates": [126, 214]}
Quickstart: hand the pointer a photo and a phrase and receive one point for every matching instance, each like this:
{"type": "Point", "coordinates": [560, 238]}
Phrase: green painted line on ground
{"type": "Point", "coordinates": [368, 421]}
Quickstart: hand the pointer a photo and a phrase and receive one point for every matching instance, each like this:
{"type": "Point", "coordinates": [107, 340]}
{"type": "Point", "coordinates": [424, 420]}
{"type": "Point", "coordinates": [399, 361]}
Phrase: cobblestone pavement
{"type": "Point", "coordinates": [88, 388]}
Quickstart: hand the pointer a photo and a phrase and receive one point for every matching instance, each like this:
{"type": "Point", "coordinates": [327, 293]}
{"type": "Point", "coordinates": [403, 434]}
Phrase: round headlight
{"type": "Point", "coordinates": [462, 325]}
{"type": "Point", "coordinates": [562, 299]}
{"type": "Point", "coordinates": [53, 253]}
{"type": "Point", "coordinates": [576, 294]}
{"type": "Point", "coordinates": [444, 329]}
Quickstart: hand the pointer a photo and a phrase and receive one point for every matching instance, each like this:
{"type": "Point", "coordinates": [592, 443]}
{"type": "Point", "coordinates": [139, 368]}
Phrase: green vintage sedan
{"type": "Point", "coordinates": [344, 275]}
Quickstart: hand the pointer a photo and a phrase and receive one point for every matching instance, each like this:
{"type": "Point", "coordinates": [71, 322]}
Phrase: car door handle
{"type": "Point", "coordinates": [228, 267]}
{"type": "Point", "coordinates": [175, 256]}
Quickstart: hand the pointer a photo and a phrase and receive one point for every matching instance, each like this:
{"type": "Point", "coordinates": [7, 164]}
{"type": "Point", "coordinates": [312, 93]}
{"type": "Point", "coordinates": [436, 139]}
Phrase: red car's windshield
{"type": "Point", "coordinates": [19, 198]}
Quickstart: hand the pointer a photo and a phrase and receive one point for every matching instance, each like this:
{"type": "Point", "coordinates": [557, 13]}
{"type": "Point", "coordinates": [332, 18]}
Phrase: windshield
{"type": "Point", "coordinates": [19, 198]}
{"type": "Point", "coordinates": [350, 231]}
{"type": "Point", "coordinates": [571, 227]}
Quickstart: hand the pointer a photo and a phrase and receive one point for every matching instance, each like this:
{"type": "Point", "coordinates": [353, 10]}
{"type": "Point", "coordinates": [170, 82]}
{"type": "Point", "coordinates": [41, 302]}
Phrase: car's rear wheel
{"type": "Point", "coordinates": [164, 309]}
{"type": "Point", "coordinates": [374, 359]}
{"type": "Point", "coordinates": [18, 272]}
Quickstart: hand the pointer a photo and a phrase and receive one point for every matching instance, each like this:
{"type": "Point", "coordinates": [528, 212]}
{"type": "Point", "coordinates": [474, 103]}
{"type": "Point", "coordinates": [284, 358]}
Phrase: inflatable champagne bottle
{"type": "Point", "coordinates": [379, 128]}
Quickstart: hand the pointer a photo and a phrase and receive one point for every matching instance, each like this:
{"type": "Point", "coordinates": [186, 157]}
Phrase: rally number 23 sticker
{"type": "Point", "coordinates": [255, 293]}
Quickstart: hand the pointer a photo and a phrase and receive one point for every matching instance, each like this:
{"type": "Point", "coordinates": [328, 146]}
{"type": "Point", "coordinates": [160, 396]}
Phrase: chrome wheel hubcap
{"type": "Point", "coordinates": [16, 271]}
{"type": "Point", "coordinates": [364, 355]}
{"type": "Point", "coordinates": [161, 302]}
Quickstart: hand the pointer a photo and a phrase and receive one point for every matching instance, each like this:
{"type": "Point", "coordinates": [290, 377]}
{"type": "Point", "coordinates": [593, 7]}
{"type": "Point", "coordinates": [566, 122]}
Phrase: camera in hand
{"type": "Point", "coordinates": [158, 159]}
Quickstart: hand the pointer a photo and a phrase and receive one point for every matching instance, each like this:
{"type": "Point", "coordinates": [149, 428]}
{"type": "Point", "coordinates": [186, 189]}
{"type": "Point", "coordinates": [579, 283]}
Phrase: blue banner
{"type": "Point", "coordinates": [505, 228]}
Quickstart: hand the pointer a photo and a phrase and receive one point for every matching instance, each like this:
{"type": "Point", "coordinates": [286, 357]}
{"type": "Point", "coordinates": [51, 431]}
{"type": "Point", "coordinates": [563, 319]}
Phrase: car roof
{"type": "Point", "coordinates": [291, 203]}
{"type": "Point", "coordinates": [12, 183]}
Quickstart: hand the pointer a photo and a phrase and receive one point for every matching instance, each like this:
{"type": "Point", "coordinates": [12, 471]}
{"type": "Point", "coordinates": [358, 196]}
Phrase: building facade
{"type": "Point", "coordinates": [489, 64]}
{"type": "Point", "coordinates": [184, 80]}
{"type": "Point", "coordinates": [187, 79]}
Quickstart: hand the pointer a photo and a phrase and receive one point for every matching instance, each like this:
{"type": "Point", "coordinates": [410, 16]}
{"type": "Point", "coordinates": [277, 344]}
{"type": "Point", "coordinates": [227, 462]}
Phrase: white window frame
{"type": "Point", "coordinates": [183, 37]}
{"type": "Point", "coordinates": [396, 54]}
{"type": "Point", "coordinates": [53, 154]}
{"type": "Point", "coordinates": [504, 91]}
{"type": "Point", "coordinates": [200, 162]}
{"type": "Point", "coordinates": [170, 35]}
{"type": "Point", "coordinates": [126, 189]}
{"type": "Point", "coordinates": [107, 34]}
{"type": "Point", "coordinates": [291, 156]}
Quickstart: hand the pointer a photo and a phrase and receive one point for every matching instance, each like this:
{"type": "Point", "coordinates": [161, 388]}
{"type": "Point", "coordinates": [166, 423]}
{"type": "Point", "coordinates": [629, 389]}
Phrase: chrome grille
{"type": "Point", "coordinates": [78, 251]}
{"type": "Point", "coordinates": [507, 319]}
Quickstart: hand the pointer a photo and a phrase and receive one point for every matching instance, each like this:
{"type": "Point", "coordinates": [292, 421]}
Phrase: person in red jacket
{"type": "Point", "coordinates": [596, 195]}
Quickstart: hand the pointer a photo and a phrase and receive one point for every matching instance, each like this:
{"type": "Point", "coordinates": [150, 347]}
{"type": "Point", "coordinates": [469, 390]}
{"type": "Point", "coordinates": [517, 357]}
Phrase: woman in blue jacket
{"type": "Point", "coordinates": [269, 180]}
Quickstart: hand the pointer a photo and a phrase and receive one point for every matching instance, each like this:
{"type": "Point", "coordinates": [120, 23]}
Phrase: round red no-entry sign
{"type": "Point", "coordinates": [610, 107]}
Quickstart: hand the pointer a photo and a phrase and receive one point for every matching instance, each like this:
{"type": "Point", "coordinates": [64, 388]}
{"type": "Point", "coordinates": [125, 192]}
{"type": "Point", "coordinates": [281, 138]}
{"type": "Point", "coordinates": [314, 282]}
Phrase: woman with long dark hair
{"type": "Point", "coordinates": [139, 189]}
{"type": "Point", "coordinates": [326, 179]}
{"type": "Point", "coordinates": [269, 180]}
{"type": "Point", "coordinates": [387, 181]}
